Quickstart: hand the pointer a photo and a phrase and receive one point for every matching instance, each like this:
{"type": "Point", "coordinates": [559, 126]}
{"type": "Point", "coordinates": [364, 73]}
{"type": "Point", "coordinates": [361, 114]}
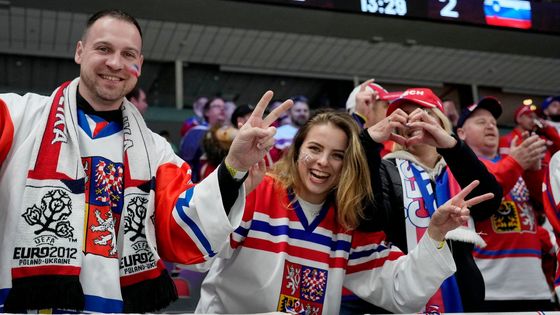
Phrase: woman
{"type": "Point", "coordinates": [423, 172]}
{"type": "Point", "coordinates": [297, 245]}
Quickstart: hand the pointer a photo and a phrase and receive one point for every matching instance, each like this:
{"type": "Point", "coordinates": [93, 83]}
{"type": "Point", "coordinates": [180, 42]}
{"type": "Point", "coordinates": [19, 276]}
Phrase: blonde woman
{"type": "Point", "coordinates": [297, 245]}
{"type": "Point", "coordinates": [425, 171]}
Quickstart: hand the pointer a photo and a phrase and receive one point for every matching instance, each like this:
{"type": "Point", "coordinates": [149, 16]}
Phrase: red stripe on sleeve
{"type": "Point", "coordinates": [6, 132]}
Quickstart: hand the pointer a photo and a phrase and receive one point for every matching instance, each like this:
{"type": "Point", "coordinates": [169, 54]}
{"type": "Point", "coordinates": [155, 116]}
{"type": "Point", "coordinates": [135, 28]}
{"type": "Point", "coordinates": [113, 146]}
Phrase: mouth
{"type": "Point", "coordinates": [318, 176]}
{"type": "Point", "coordinates": [109, 77]}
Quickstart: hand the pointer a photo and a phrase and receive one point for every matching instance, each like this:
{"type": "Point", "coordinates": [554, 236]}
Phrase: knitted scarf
{"type": "Point", "coordinates": [48, 268]}
{"type": "Point", "coordinates": [420, 202]}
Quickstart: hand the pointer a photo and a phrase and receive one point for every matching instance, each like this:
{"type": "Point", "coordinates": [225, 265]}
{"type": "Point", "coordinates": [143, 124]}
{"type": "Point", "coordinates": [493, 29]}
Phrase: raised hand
{"type": "Point", "coordinates": [529, 153]}
{"type": "Point", "coordinates": [384, 130]}
{"type": "Point", "coordinates": [256, 136]}
{"type": "Point", "coordinates": [365, 98]}
{"type": "Point", "coordinates": [428, 130]}
{"type": "Point", "coordinates": [454, 212]}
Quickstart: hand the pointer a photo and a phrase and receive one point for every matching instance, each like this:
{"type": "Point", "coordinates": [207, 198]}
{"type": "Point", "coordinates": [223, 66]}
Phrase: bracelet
{"type": "Point", "coordinates": [440, 244]}
{"type": "Point", "coordinates": [235, 174]}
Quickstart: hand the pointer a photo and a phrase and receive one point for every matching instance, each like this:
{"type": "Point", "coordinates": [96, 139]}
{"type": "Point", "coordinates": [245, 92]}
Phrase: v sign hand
{"type": "Point", "coordinates": [256, 136]}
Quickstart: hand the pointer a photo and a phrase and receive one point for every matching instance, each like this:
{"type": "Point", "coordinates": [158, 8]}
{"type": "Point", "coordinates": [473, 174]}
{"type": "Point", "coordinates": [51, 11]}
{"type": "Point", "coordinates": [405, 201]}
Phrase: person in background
{"type": "Point", "coordinates": [511, 261]}
{"type": "Point", "coordinates": [527, 122]}
{"type": "Point", "coordinates": [298, 245]}
{"type": "Point", "coordinates": [299, 114]}
{"type": "Point", "coordinates": [427, 168]}
{"type": "Point", "coordinates": [197, 118]}
{"type": "Point", "coordinates": [450, 110]}
{"type": "Point", "coordinates": [191, 147]}
{"type": "Point", "coordinates": [138, 98]}
{"type": "Point", "coordinates": [93, 200]}
{"type": "Point", "coordinates": [368, 104]}
{"type": "Point", "coordinates": [284, 119]}
{"type": "Point", "coordinates": [551, 110]}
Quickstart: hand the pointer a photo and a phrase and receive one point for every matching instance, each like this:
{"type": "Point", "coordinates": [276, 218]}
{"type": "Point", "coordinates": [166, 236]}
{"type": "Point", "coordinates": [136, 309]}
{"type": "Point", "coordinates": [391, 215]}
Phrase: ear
{"type": "Point", "coordinates": [461, 134]}
{"type": "Point", "coordinates": [79, 52]}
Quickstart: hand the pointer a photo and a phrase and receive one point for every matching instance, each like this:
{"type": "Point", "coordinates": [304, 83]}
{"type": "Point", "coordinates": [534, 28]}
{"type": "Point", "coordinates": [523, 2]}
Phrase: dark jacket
{"type": "Point", "coordinates": [388, 212]}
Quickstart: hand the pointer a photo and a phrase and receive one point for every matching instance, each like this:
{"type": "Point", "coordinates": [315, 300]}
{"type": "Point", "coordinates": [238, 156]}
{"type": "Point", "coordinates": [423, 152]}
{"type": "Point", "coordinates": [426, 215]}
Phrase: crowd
{"type": "Point", "coordinates": [401, 204]}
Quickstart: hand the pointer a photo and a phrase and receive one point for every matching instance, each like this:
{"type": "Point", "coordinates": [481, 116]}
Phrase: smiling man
{"type": "Point", "coordinates": [96, 199]}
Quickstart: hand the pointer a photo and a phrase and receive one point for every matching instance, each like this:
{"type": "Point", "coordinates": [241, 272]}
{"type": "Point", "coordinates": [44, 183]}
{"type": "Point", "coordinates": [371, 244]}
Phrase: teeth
{"type": "Point", "coordinates": [319, 175]}
{"type": "Point", "coordinates": [110, 78]}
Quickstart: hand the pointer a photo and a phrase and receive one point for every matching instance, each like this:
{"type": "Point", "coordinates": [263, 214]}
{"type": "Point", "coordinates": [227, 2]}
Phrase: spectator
{"type": "Point", "coordinates": [511, 261]}
{"type": "Point", "coordinates": [527, 121]}
{"type": "Point", "coordinates": [297, 245]}
{"type": "Point", "coordinates": [299, 114]}
{"type": "Point", "coordinates": [191, 144]}
{"type": "Point", "coordinates": [551, 110]}
{"type": "Point", "coordinates": [368, 104]}
{"type": "Point", "coordinates": [92, 200]}
{"type": "Point", "coordinates": [424, 172]}
{"type": "Point", "coordinates": [450, 110]}
{"type": "Point", "coordinates": [138, 98]}
{"type": "Point", "coordinates": [197, 118]}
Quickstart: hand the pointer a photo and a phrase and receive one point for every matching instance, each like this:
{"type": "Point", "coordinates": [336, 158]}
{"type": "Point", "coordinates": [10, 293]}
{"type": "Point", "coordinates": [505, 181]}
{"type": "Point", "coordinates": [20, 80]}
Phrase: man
{"type": "Point", "coordinates": [92, 200]}
{"type": "Point", "coordinates": [450, 110]}
{"type": "Point", "coordinates": [191, 148]}
{"type": "Point", "coordinates": [551, 110]}
{"type": "Point", "coordinates": [197, 118]}
{"type": "Point", "coordinates": [138, 98]}
{"type": "Point", "coordinates": [511, 261]}
{"type": "Point", "coordinates": [299, 114]}
{"type": "Point", "coordinates": [368, 104]}
{"type": "Point", "coordinates": [527, 122]}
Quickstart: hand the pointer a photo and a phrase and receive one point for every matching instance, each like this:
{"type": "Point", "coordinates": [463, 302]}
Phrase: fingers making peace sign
{"type": "Point", "coordinates": [454, 212]}
{"type": "Point", "coordinates": [256, 136]}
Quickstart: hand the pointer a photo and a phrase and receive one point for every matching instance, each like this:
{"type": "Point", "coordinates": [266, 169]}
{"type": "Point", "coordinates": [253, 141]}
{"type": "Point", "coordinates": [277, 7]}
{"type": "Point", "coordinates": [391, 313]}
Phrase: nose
{"type": "Point", "coordinates": [323, 159]}
{"type": "Point", "coordinates": [114, 62]}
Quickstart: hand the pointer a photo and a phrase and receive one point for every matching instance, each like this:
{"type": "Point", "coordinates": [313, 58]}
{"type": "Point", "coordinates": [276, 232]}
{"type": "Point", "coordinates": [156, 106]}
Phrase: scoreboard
{"type": "Point", "coordinates": [519, 14]}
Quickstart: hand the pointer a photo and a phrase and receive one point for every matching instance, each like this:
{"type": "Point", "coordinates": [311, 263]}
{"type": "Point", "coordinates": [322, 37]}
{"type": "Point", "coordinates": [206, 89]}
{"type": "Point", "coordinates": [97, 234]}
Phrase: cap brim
{"type": "Point", "coordinates": [398, 102]}
{"type": "Point", "coordinates": [391, 96]}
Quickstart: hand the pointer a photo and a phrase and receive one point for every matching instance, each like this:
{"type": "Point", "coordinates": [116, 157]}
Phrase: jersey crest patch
{"type": "Point", "coordinates": [303, 289]}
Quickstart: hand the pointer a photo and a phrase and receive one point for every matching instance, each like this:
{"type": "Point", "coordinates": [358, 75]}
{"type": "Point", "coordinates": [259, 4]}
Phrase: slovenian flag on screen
{"type": "Point", "coordinates": [508, 13]}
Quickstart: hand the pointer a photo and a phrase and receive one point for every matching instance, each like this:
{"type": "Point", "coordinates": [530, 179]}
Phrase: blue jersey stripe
{"type": "Point", "coordinates": [334, 245]}
{"type": "Point", "coordinates": [501, 252]}
{"type": "Point", "coordinates": [367, 253]}
{"type": "Point", "coordinates": [184, 202]}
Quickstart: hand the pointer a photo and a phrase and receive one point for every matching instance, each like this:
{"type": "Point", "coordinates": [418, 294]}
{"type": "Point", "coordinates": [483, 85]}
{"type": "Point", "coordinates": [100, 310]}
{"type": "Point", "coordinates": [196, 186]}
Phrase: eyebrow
{"type": "Point", "coordinates": [322, 146]}
{"type": "Point", "coordinates": [110, 44]}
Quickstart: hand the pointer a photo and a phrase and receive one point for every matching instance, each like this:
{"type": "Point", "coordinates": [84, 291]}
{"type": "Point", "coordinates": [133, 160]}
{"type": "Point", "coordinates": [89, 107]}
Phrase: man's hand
{"type": "Point", "coordinates": [256, 136]}
{"type": "Point", "coordinates": [454, 212]}
{"type": "Point", "coordinates": [529, 153]}
{"type": "Point", "coordinates": [365, 99]}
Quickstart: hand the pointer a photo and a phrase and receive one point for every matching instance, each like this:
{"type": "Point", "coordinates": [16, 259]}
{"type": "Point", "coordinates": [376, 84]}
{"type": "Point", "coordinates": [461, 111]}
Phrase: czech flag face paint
{"type": "Point", "coordinates": [134, 70]}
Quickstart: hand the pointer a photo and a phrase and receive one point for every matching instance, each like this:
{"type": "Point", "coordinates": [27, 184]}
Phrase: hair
{"type": "Point", "coordinates": [446, 124]}
{"type": "Point", "coordinates": [113, 13]}
{"type": "Point", "coordinates": [354, 187]}
{"type": "Point", "coordinates": [299, 98]}
{"type": "Point", "coordinates": [135, 93]}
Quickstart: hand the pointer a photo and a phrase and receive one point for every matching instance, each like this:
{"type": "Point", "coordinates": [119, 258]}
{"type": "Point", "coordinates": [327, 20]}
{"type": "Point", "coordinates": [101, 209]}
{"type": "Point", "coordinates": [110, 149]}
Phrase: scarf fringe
{"type": "Point", "coordinates": [45, 292]}
{"type": "Point", "coordinates": [150, 295]}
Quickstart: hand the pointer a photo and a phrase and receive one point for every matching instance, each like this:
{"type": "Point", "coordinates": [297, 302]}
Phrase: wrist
{"type": "Point", "coordinates": [436, 235]}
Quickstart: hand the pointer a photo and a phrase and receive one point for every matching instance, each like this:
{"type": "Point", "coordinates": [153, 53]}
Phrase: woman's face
{"type": "Point", "coordinates": [321, 157]}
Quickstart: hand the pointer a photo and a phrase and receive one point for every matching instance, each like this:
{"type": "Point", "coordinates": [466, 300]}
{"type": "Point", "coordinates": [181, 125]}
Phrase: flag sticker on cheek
{"type": "Point", "coordinates": [134, 70]}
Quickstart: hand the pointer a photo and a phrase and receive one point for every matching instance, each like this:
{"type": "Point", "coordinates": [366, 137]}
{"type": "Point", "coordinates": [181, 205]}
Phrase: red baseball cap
{"type": "Point", "coordinates": [382, 94]}
{"type": "Point", "coordinates": [420, 96]}
{"type": "Point", "coordinates": [523, 110]}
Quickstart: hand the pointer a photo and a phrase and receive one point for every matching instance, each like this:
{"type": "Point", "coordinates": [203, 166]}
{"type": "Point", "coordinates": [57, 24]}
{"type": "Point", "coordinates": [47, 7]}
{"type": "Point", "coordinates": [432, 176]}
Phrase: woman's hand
{"type": "Point", "coordinates": [428, 130]}
{"type": "Point", "coordinates": [454, 212]}
{"type": "Point", "coordinates": [385, 129]}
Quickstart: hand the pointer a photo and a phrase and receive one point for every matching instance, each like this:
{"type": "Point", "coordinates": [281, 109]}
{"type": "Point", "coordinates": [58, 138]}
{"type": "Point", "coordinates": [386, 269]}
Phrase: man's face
{"type": "Point", "coordinates": [527, 121]}
{"type": "Point", "coordinates": [110, 60]}
{"type": "Point", "coordinates": [216, 112]}
{"type": "Point", "coordinates": [552, 109]}
{"type": "Point", "coordinates": [480, 133]}
{"type": "Point", "coordinates": [299, 113]}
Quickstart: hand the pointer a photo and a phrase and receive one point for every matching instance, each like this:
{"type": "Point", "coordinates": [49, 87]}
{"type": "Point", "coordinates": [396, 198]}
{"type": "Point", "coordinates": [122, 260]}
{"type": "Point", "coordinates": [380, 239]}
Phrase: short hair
{"type": "Point", "coordinates": [114, 13]}
{"type": "Point", "coordinates": [300, 98]}
{"type": "Point", "coordinates": [135, 93]}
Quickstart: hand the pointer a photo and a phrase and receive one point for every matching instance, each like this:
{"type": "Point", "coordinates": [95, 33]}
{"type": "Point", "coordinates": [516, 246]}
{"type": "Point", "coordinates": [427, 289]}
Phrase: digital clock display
{"type": "Point", "coordinates": [519, 14]}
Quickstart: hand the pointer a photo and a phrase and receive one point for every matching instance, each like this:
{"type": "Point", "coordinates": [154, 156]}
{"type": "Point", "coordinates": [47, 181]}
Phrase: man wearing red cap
{"type": "Point", "coordinates": [368, 104]}
{"type": "Point", "coordinates": [527, 122]}
{"type": "Point", "coordinates": [511, 261]}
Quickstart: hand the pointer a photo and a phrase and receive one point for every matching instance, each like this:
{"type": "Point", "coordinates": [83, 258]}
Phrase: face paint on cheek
{"type": "Point", "coordinates": [307, 159]}
{"type": "Point", "coordinates": [134, 70]}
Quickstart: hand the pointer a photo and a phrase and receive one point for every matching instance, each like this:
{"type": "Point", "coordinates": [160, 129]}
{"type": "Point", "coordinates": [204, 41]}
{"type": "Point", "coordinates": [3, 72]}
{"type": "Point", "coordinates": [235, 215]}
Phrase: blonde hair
{"type": "Point", "coordinates": [444, 122]}
{"type": "Point", "coordinates": [354, 187]}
